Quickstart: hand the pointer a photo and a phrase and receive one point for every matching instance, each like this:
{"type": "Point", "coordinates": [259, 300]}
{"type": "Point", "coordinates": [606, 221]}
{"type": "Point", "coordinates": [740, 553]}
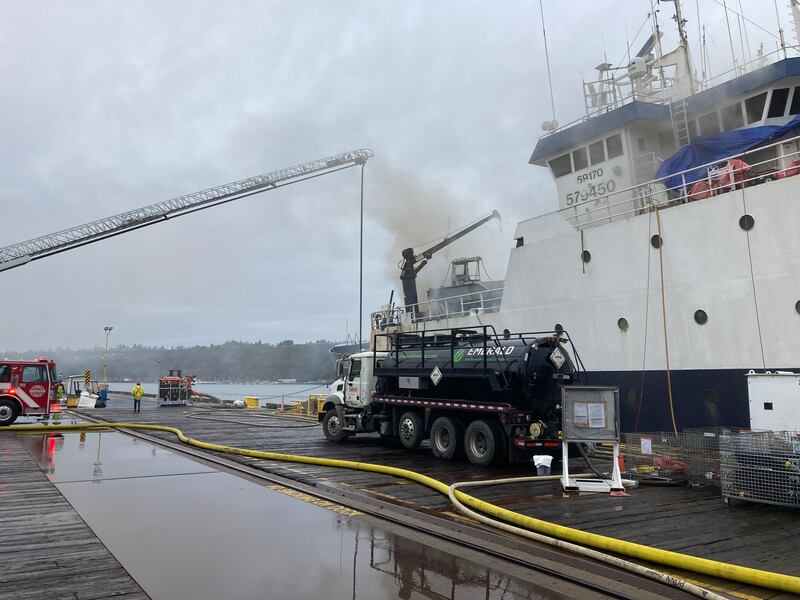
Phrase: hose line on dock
{"type": "Point", "coordinates": [615, 561]}
{"type": "Point", "coordinates": [747, 575]}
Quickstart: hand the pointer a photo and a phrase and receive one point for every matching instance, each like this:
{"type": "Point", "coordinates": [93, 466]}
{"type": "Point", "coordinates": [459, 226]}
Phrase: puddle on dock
{"type": "Point", "coordinates": [183, 530]}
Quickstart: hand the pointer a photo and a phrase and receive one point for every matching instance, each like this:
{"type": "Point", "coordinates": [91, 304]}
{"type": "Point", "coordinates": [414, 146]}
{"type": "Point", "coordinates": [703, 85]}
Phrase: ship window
{"type": "Point", "coordinates": [666, 143]}
{"type": "Point", "coordinates": [754, 107]}
{"type": "Point", "coordinates": [777, 106]}
{"type": "Point", "coordinates": [579, 159]}
{"type": "Point", "coordinates": [656, 241]}
{"type": "Point", "coordinates": [732, 117]}
{"type": "Point", "coordinates": [630, 397]}
{"type": "Point", "coordinates": [5, 370]}
{"type": "Point", "coordinates": [747, 222]}
{"type": "Point", "coordinates": [623, 325]}
{"type": "Point", "coordinates": [797, 307]}
{"type": "Point", "coordinates": [794, 109]}
{"type": "Point", "coordinates": [520, 242]}
{"type": "Point", "coordinates": [561, 166]}
{"type": "Point", "coordinates": [709, 124]}
{"type": "Point", "coordinates": [700, 317]}
{"type": "Point", "coordinates": [586, 256]}
{"type": "Point", "coordinates": [558, 328]}
{"type": "Point", "coordinates": [597, 153]}
{"type": "Point", "coordinates": [711, 398]}
{"type": "Point", "coordinates": [614, 146]}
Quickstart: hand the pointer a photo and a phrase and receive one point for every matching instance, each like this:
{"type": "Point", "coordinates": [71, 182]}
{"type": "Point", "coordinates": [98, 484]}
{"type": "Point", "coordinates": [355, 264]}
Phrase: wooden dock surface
{"type": "Point", "coordinates": [694, 521]}
{"type": "Point", "coordinates": [47, 551]}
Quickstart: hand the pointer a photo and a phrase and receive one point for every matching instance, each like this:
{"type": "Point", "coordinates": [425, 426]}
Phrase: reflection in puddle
{"type": "Point", "coordinates": [183, 530]}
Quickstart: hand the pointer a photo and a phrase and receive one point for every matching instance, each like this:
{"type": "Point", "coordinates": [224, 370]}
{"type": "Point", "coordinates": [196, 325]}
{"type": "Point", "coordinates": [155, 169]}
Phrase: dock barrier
{"type": "Point", "coordinates": [747, 575]}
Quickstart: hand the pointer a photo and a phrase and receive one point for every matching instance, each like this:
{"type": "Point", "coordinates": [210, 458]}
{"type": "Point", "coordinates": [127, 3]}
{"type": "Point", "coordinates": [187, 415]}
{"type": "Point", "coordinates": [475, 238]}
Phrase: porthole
{"type": "Point", "coordinates": [700, 317]}
{"type": "Point", "coordinates": [559, 328]}
{"type": "Point", "coordinates": [622, 323]}
{"type": "Point", "coordinates": [711, 398]}
{"type": "Point", "coordinates": [631, 397]}
{"type": "Point", "coordinates": [746, 222]}
{"type": "Point", "coordinates": [656, 241]}
{"type": "Point", "coordinates": [506, 334]}
{"type": "Point", "coordinates": [797, 307]}
{"type": "Point", "coordinates": [586, 256]}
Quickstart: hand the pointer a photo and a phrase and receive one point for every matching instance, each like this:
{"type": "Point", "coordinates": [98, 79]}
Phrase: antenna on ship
{"type": "Point", "coordinates": [794, 6]}
{"type": "Point", "coordinates": [780, 29]}
{"type": "Point", "coordinates": [552, 125]}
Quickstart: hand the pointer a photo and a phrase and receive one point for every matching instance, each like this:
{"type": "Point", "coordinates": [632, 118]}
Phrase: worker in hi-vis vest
{"type": "Point", "coordinates": [137, 392]}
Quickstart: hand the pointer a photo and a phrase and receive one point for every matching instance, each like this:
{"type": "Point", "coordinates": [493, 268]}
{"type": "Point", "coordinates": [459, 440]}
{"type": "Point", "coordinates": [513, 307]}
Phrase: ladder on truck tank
{"type": "Point", "coordinates": [22, 253]}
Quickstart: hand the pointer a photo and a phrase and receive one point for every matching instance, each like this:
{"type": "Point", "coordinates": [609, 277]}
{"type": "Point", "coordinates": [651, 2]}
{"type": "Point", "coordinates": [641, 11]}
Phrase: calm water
{"type": "Point", "coordinates": [268, 392]}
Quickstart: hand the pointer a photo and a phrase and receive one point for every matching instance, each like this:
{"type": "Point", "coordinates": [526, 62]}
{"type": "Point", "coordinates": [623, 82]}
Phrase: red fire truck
{"type": "Point", "coordinates": [27, 387]}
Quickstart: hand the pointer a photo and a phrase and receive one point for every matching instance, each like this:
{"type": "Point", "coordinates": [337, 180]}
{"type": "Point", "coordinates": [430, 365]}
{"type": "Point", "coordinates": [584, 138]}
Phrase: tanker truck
{"type": "Point", "coordinates": [494, 398]}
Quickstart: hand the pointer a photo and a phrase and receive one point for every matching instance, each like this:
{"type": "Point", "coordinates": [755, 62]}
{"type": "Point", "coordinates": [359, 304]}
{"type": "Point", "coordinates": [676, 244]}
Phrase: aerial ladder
{"type": "Point", "coordinates": [22, 253]}
{"type": "Point", "coordinates": [413, 263]}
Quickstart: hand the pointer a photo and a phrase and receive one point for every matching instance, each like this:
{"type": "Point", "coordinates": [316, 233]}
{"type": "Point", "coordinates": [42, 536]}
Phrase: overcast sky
{"type": "Point", "coordinates": [109, 106]}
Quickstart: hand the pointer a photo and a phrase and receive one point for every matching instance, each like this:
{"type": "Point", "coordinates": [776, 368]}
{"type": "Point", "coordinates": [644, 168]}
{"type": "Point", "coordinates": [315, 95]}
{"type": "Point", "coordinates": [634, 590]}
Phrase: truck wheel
{"type": "Point", "coordinates": [447, 435]}
{"type": "Point", "coordinates": [8, 412]}
{"type": "Point", "coordinates": [481, 443]}
{"type": "Point", "coordinates": [410, 430]}
{"type": "Point", "coordinates": [332, 426]}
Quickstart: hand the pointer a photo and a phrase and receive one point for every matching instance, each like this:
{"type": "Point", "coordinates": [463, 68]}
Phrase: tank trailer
{"type": "Point", "coordinates": [494, 398]}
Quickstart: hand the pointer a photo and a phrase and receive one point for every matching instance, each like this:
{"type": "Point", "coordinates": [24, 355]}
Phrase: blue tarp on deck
{"type": "Point", "coordinates": [711, 148]}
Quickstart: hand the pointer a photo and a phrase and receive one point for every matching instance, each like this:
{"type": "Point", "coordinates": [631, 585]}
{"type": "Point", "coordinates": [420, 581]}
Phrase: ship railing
{"type": "Point", "coordinates": [477, 302]}
{"type": "Point", "coordinates": [762, 164]}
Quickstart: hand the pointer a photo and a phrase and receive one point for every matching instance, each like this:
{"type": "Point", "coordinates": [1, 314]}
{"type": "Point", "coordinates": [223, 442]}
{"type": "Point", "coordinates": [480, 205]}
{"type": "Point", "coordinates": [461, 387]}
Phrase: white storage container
{"type": "Point", "coordinates": [774, 400]}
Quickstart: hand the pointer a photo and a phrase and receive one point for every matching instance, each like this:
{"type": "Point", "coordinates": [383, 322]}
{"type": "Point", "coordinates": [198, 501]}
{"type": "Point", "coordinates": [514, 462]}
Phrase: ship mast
{"type": "Point", "coordinates": [684, 43]}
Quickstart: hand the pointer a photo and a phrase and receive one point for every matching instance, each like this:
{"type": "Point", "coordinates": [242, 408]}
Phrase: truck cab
{"type": "Point", "coordinates": [350, 393]}
{"type": "Point", "coordinates": [27, 387]}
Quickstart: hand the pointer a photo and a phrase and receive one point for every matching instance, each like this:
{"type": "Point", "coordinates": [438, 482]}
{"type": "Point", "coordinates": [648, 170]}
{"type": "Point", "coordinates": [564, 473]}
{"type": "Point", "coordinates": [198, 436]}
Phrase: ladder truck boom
{"type": "Point", "coordinates": [22, 253]}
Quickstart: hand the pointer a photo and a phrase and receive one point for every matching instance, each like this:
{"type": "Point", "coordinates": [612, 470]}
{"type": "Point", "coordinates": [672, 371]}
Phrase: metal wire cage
{"type": "Point", "coordinates": [761, 466]}
{"type": "Point", "coordinates": [657, 457]}
{"type": "Point", "coordinates": [702, 456]}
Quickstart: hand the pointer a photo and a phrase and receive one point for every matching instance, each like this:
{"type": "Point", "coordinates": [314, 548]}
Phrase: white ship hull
{"type": "Point", "coordinates": [706, 266]}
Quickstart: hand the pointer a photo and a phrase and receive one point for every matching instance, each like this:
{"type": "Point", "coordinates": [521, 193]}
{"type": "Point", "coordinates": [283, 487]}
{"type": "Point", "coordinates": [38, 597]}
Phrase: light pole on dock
{"type": "Point", "coordinates": [107, 329]}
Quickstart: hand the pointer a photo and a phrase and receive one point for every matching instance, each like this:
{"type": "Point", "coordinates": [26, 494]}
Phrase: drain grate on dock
{"type": "Point", "coordinates": [761, 466]}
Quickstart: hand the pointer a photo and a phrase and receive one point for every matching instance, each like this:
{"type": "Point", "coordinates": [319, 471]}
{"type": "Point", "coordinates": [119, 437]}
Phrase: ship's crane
{"type": "Point", "coordinates": [22, 253]}
{"type": "Point", "coordinates": [413, 263]}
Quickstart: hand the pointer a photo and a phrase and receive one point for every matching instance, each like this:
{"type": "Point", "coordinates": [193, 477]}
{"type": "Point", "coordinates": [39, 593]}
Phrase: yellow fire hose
{"type": "Point", "coordinates": [747, 575]}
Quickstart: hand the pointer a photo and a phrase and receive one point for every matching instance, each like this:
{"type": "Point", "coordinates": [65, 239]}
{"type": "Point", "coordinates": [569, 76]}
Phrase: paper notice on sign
{"type": "Point", "coordinates": [597, 415]}
{"type": "Point", "coordinates": [647, 445]}
{"type": "Point", "coordinates": [580, 414]}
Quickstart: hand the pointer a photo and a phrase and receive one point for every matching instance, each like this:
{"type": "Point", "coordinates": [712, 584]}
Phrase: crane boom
{"type": "Point", "coordinates": [22, 253]}
{"type": "Point", "coordinates": [412, 263]}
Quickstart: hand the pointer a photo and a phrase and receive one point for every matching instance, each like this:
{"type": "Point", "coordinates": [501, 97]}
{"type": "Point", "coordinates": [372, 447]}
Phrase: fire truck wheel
{"type": "Point", "coordinates": [9, 411]}
{"type": "Point", "coordinates": [447, 437]}
{"type": "Point", "coordinates": [410, 430]}
{"type": "Point", "coordinates": [481, 443]}
{"type": "Point", "coordinates": [332, 426]}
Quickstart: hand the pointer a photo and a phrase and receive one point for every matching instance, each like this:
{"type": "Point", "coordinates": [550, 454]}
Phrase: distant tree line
{"type": "Point", "coordinates": [237, 362]}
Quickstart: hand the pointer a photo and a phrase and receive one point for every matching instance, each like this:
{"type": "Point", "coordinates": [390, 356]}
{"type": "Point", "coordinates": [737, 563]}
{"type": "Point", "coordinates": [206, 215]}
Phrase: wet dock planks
{"type": "Point", "coordinates": [46, 550]}
{"type": "Point", "coordinates": [692, 521]}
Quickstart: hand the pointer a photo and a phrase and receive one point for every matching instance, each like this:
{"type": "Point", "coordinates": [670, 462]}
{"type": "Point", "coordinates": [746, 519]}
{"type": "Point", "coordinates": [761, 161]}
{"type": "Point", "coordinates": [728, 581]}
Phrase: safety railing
{"type": "Point", "coordinates": [435, 309]}
{"type": "Point", "coordinates": [718, 177]}
{"type": "Point", "coordinates": [616, 96]}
